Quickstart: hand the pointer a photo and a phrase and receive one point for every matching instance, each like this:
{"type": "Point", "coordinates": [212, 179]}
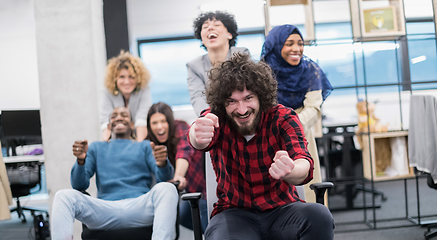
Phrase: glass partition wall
{"type": "Point", "coordinates": [377, 51]}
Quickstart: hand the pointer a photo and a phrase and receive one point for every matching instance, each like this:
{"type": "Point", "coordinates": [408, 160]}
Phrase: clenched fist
{"type": "Point", "coordinates": [80, 148]}
{"type": "Point", "coordinates": [160, 154]}
{"type": "Point", "coordinates": [282, 165]}
{"type": "Point", "coordinates": [203, 130]}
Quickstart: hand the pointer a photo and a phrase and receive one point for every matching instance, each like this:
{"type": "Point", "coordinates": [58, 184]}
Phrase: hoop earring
{"type": "Point", "coordinates": [116, 89]}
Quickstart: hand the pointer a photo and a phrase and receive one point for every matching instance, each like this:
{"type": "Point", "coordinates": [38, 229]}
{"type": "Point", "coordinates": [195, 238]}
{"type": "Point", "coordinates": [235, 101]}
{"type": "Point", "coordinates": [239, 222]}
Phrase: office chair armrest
{"type": "Point", "coordinates": [320, 189]}
{"type": "Point", "coordinates": [195, 213]}
{"type": "Point", "coordinates": [191, 196]}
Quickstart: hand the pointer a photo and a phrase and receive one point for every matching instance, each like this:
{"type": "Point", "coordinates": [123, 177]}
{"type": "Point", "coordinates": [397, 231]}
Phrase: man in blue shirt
{"type": "Point", "coordinates": [123, 169]}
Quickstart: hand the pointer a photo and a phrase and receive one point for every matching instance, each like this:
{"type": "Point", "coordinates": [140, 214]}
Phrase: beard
{"type": "Point", "coordinates": [244, 128]}
{"type": "Point", "coordinates": [123, 134]}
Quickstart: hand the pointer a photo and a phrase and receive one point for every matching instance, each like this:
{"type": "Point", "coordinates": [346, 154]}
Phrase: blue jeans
{"type": "Point", "coordinates": [157, 207]}
{"type": "Point", "coordinates": [185, 218]}
{"type": "Point", "coordinates": [309, 221]}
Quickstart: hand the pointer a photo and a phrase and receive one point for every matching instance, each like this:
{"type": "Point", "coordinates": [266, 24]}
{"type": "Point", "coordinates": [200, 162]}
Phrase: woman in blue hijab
{"type": "Point", "coordinates": [302, 85]}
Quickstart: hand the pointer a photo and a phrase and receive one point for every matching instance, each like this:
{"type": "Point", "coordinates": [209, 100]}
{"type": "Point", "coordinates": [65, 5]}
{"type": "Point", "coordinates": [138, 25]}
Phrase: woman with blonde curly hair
{"type": "Point", "coordinates": [126, 83]}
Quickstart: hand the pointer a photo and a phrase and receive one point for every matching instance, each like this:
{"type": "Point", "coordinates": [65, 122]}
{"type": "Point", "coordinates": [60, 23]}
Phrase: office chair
{"type": "Point", "coordinates": [22, 178]}
{"type": "Point", "coordinates": [211, 184]}
{"type": "Point", "coordinates": [318, 188]}
{"type": "Point", "coordinates": [431, 229]}
{"type": "Point", "coordinates": [140, 233]}
{"type": "Point", "coordinates": [344, 154]}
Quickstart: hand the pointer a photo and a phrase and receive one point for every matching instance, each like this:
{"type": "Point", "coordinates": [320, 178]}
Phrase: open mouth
{"type": "Point", "coordinates": [127, 87]}
{"type": "Point", "coordinates": [294, 56]}
{"type": "Point", "coordinates": [119, 124]}
{"type": "Point", "coordinates": [162, 137]}
{"type": "Point", "coordinates": [243, 118]}
{"type": "Point", "coordinates": [212, 36]}
{"type": "Point", "coordinates": [161, 134]}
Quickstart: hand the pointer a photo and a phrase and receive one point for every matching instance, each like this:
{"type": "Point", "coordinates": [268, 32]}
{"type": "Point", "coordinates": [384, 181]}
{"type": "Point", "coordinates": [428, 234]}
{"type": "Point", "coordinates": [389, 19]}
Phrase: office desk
{"type": "Point", "coordinates": [24, 158]}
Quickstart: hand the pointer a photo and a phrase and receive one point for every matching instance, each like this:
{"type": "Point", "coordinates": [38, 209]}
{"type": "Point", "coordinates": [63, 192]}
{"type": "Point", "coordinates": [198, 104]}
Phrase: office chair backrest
{"type": "Point", "coordinates": [26, 174]}
{"type": "Point", "coordinates": [211, 185]}
{"type": "Point", "coordinates": [431, 182]}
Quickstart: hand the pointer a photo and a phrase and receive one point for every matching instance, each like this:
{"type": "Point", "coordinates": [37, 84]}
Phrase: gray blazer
{"type": "Point", "coordinates": [198, 78]}
{"type": "Point", "coordinates": [139, 104]}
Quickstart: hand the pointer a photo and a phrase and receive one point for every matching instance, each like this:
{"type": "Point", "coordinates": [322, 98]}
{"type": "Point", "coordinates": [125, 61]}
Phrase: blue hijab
{"type": "Point", "coordinates": [293, 81]}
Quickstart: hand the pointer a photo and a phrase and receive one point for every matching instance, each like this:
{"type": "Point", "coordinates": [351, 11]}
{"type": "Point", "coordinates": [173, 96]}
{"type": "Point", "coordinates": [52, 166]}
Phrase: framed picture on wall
{"type": "Point", "coordinates": [377, 20]}
{"type": "Point", "coordinates": [380, 19]}
{"type": "Point", "coordinates": [287, 2]}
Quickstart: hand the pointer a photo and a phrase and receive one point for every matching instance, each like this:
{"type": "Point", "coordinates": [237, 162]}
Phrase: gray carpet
{"type": "Point", "coordinates": [14, 229]}
{"type": "Point", "coordinates": [391, 218]}
{"type": "Point", "coordinates": [349, 224]}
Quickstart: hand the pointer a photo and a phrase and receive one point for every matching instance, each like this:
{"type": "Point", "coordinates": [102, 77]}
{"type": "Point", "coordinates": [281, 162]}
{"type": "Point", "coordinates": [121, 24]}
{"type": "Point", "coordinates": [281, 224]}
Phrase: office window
{"type": "Point", "coordinates": [422, 51]}
{"type": "Point", "coordinates": [253, 42]}
{"type": "Point", "coordinates": [336, 61]}
{"type": "Point", "coordinates": [381, 62]}
{"type": "Point", "coordinates": [414, 28]}
{"type": "Point", "coordinates": [333, 31]}
{"type": "Point", "coordinates": [423, 60]}
{"type": "Point", "coordinates": [166, 60]}
{"type": "Point", "coordinates": [348, 65]}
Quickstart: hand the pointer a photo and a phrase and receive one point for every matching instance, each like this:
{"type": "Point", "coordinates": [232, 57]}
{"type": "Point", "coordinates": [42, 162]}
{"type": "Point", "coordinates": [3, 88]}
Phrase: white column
{"type": "Point", "coordinates": [71, 58]}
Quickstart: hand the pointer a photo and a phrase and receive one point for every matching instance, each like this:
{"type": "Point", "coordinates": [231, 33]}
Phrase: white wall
{"type": "Point", "coordinates": [19, 87]}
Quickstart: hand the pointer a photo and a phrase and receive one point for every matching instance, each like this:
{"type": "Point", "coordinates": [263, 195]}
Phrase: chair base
{"type": "Point", "coordinates": [130, 233]}
{"type": "Point", "coordinates": [430, 232]}
{"type": "Point", "coordinates": [21, 215]}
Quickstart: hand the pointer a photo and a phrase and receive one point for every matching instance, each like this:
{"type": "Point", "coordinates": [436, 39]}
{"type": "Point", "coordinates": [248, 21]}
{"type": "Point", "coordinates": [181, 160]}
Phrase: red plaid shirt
{"type": "Point", "coordinates": [195, 174]}
{"type": "Point", "coordinates": [242, 168]}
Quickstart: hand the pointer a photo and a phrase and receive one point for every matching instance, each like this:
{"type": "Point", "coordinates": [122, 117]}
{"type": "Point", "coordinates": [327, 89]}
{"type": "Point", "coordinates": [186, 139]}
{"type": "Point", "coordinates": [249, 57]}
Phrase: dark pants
{"type": "Point", "coordinates": [298, 220]}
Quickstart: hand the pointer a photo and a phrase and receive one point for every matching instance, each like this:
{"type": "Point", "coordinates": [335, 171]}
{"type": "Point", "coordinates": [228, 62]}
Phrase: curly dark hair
{"type": "Point", "coordinates": [224, 17]}
{"type": "Point", "coordinates": [235, 74]}
{"type": "Point", "coordinates": [172, 140]}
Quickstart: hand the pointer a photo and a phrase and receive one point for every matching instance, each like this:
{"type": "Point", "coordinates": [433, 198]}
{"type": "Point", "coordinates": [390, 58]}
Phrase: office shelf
{"type": "Point", "coordinates": [378, 146]}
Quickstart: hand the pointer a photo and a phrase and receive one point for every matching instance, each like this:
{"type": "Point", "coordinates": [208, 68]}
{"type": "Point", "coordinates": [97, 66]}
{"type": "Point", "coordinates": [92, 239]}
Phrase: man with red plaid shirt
{"type": "Point", "coordinates": [259, 153]}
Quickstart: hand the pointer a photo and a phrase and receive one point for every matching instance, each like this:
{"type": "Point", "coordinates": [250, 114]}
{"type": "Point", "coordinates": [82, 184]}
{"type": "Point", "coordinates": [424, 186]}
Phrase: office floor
{"type": "Point", "coordinates": [14, 229]}
{"type": "Point", "coordinates": [393, 207]}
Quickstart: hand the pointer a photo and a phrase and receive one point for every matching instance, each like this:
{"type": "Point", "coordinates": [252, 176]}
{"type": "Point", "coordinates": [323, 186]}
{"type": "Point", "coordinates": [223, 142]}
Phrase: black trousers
{"type": "Point", "coordinates": [298, 220]}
